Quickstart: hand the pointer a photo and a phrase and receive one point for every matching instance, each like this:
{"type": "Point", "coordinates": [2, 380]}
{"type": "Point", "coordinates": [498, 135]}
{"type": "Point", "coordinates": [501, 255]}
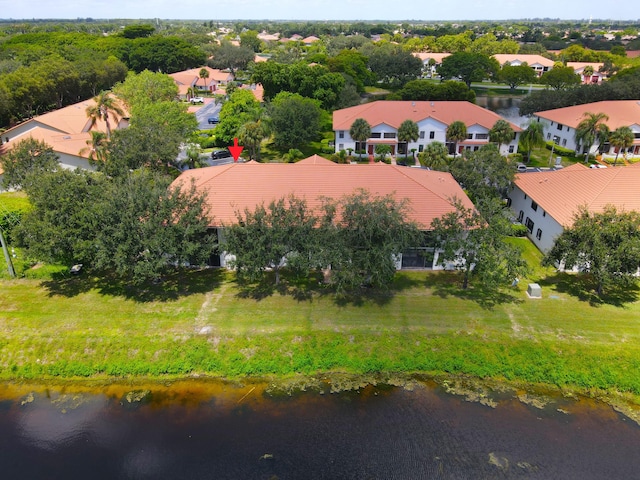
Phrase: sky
{"type": "Point", "coordinates": [384, 10]}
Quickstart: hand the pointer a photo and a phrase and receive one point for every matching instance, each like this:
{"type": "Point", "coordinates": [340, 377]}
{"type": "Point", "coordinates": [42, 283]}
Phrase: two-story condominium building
{"type": "Point", "coordinates": [538, 63]}
{"type": "Point", "coordinates": [545, 202]}
{"type": "Point", "coordinates": [561, 123]}
{"type": "Point", "coordinates": [432, 117]}
{"type": "Point", "coordinates": [235, 187]}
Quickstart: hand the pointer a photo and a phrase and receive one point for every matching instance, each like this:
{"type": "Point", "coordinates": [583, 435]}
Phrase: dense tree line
{"type": "Point", "coordinates": [623, 86]}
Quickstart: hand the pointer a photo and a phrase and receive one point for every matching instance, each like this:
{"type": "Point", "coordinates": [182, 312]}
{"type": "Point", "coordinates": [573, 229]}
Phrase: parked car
{"type": "Point", "coordinates": [217, 154]}
{"type": "Point", "coordinates": [213, 120]}
{"type": "Point", "coordinates": [195, 100]}
{"type": "Point", "coordinates": [521, 168]}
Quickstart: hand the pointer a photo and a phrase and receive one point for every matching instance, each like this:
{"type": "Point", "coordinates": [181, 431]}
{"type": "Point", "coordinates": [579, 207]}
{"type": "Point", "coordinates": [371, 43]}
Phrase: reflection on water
{"type": "Point", "coordinates": [507, 107]}
{"type": "Point", "coordinates": [212, 430]}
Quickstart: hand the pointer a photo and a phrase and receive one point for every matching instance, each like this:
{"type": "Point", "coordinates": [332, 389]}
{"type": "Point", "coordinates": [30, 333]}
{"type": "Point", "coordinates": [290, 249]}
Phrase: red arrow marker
{"type": "Point", "coordinates": [235, 150]}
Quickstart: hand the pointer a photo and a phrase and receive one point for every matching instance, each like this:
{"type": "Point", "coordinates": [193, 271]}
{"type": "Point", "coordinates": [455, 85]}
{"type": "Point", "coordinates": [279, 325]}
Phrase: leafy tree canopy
{"type": "Point", "coordinates": [469, 67]}
{"type": "Point", "coordinates": [294, 120]}
{"type": "Point", "coordinates": [604, 244]}
{"type": "Point", "coordinates": [25, 161]}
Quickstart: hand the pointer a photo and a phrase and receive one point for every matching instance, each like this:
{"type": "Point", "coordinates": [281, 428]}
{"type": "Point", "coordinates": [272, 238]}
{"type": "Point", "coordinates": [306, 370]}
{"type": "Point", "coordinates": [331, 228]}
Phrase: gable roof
{"type": "Point", "coordinates": [621, 113]}
{"type": "Point", "coordinates": [237, 186]}
{"type": "Point", "coordinates": [426, 56]}
{"type": "Point", "coordinates": [561, 192]}
{"type": "Point", "coordinates": [192, 76]}
{"type": "Point", "coordinates": [393, 113]}
{"type": "Point", "coordinates": [531, 59]}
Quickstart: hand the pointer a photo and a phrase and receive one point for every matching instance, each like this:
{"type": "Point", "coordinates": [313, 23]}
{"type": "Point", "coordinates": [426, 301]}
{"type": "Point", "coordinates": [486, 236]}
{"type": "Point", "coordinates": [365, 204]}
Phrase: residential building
{"type": "Point", "coordinates": [561, 123]}
{"type": "Point", "coordinates": [545, 202]}
{"type": "Point", "coordinates": [430, 62]}
{"type": "Point", "coordinates": [432, 118]}
{"type": "Point", "coordinates": [191, 79]}
{"type": "Point", "coordinates": [538, 63]}
{"type": "Point", "coordinates": [595, 77]}
{"type": "Point", "coordinates": [66, 130]}
{"type": "Point", "coordinates": [238, 186]}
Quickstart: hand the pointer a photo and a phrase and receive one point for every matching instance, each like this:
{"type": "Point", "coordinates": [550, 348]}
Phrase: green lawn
{"type": "Point", "coordinates": [203, 322]}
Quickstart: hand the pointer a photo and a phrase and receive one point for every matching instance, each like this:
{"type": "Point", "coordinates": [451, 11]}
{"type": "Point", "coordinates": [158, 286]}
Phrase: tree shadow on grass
{"type": "Point", "coordinates": [582, 287]}
{"type": "Point", "coordinates": [179, 283]}
{"type": "Point", "coordinates": [449, 284]}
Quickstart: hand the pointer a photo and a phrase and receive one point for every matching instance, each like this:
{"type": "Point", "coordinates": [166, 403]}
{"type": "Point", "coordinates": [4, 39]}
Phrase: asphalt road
{"type": "Point", "coordinates": [209, 109]}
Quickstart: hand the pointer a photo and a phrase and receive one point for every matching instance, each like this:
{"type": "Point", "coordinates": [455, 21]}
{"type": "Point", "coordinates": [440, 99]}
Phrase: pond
{"type": "Point", "coordinates": [507, 106]}
{"type": "Point", "coordinates": [200, 430]}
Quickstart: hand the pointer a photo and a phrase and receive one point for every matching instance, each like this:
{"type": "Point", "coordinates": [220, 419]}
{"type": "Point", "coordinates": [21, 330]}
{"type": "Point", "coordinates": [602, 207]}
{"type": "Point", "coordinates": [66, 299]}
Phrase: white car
{"type": "Point", "coordinates": [197, 100]}
{"type": "Point", "coordinates": [521, 168]}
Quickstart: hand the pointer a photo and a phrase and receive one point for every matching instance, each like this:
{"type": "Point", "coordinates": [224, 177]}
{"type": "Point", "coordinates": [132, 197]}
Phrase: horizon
{"type": "Point", "coordinates": [321, 11]}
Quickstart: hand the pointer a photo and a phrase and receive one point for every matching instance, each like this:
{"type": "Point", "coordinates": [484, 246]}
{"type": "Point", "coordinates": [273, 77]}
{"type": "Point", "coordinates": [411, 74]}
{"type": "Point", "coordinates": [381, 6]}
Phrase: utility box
{"type": "Point", "coordinates": [534, 290]}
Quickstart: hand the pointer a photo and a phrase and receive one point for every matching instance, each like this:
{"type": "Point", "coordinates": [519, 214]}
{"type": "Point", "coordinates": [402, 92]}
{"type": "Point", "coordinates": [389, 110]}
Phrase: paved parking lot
{"type": "Point", "coordinates": [209, 109]}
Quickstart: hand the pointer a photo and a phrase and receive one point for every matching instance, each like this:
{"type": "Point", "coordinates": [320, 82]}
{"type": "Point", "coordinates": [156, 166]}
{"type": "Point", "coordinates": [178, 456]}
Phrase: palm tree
{"type": "Point", "coordinates": [587, 72]}
{"type": "Point", "coordinates": [251, 135]}
{"type": "Point", "coordinates": [204, 74]}
{"type": "Point", "coordinates": [533, 136]}
{"type": "Point", "coordinates": [456, 132]}
{"type": "Point", "coordinates": [105, 104]}
{"type": "Point", "coordinates": [360, 131]}
{"type": "Point", "coordinates": [621, 137]}
{"type": "Point", "coordinates": [96, 147]}
{"type": "Point", "coordinates": [590, 129]}
{"type": "Point", "coordinates": [435, 156]}
{"type": "Point", "coordinates": [191, 92]}
{"type": "Point", "coordinates": [408, 132]}
{"type": "Point", "coordinates": [501, 133]}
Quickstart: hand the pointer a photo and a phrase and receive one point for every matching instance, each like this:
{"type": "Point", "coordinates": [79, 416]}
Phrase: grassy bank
{"type": "Point", "coordinates": [203, 323]}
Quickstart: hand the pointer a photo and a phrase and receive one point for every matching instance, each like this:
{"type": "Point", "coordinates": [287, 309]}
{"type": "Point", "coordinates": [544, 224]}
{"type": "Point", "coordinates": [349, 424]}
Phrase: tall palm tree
{"type": "Point", "coordinates": [590, 129]}
{"type": "Point", "coordinates": [97, 147]}
{"type": "Point", "coordinates": [501, 133]}
{"type": "Point", "coordinates": [251, 135]}
{"type": "Point", "coordinates": [360, 131]}
{"type": "Point", "coordinates": [587, 72]}
{"type": "Point", "coordinates": [204, 74]}
{"type": "Point", "coordinates": [408, 132]}
{"type": "Point", "coordinates": [621, 137]}
{"type": "Point", "coordinates": [105, 105]}
{"type": "Point", "coordinates": [533, 136]}
{"type": "Point", "coordinates": [456, 132]}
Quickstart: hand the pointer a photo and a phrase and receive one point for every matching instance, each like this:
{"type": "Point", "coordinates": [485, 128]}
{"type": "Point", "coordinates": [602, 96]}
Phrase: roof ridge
{"type": "Point", "coordinates": [413, 179]}
{"type": "Point", "coordinates": [605, 185]}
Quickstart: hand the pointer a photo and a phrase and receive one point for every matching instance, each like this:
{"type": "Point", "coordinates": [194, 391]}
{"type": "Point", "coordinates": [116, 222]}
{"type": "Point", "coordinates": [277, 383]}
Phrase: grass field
{"type": "Point", "coordinates": [203, 322]}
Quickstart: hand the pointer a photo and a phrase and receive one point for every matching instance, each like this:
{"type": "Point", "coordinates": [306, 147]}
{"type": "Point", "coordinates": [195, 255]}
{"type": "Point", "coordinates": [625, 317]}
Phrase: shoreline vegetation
{"type": "Point", "coordinates": [201, 324]}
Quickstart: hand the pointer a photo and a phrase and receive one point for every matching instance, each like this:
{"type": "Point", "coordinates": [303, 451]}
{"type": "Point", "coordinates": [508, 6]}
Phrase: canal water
{"type": "Point", "coordinates": [507, 106]}
{"type": "Point", "coordinates": [213, 430]}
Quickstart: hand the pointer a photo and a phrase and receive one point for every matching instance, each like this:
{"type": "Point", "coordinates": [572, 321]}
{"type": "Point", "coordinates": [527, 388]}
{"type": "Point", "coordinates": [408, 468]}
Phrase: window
{"type": "Point", "coordinates": [421, 134]}
{"type": "Point", "coordinates": [508, 202]}
{"type": "Point", "coordinates": [529, 224]}
{"type": "Point", "coordinates": [432, 135]}
{"type": "Point", "coordinates": [376, 135]}
{"type": "Point", "coordinates": [544, 214]}
{"type": "Point", "coordinates": [510, 148]}
{"type": "Point", "coordinates": [340, 146]}
{"type": "Point", "coordinates": [548, 136]}
{"type": "Point", "coordinates": [520, 216]}
{"type": "Point", "coordinates": [361, 146]}
{"type": "Point", "coordinates": [525, 196]}
{"type": "Point", "coordinates": [482, 136]}
{"type": "Point", "coordinates": [420, 148]}
{"type": "Point", "coordinates": [534, 206]}
{"type": "Point", "coordinates": [538, 234]}
{"type": "Point", "coordinates": [390, 135]}
{"type": "Point", "coordinates": [564, 142]}
{"type": "Point", "coordinates": [559, 127]}
{"type": "Point", "coordinates": [469, 136]}
{"type": "Point", "coordinates": [341, 134]}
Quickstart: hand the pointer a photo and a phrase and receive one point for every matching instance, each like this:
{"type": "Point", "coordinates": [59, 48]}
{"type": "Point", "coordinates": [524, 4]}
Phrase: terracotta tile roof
{"type": "Point", "coordinates": [71, 144]}
{"type": "Point", "coordinates": [192, 76]}
{"type": "Point", "coordinates": [579, 66]}
{"type": "Point", "coordinates": [621, 113]}
{"type": "Point", "coordinates": [428, 55]}
{"type": "Point", "coordinates": [561, 192]}
{"type": "Point", "coordinates": [531, 59]}
{"type": "Point", "coordinates": [238, 186]}
{"type": "Point", "coordinates": [393, 113]}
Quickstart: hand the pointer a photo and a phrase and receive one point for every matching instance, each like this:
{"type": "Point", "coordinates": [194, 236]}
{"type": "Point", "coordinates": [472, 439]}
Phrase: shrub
{"type": "Point", "coordinates": [518, 230]}
{"type": "Point", "coordinates": [563, 152]}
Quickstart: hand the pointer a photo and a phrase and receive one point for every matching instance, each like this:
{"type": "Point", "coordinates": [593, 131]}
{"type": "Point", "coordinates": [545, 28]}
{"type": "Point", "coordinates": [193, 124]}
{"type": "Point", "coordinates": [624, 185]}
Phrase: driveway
{"type": "Point", "coordinates": [209, 109]}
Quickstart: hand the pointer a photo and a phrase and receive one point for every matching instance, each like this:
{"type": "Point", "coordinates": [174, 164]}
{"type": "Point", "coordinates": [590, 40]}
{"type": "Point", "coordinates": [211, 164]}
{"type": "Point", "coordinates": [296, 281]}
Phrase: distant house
{"type": "Point", "coordinates": [545, 202]}
{"type": "Point", "coordinates": [67, 131]}
{"type": "Point", "coordinates": [310, 40]}
{"type": "Point", "coordinates": [234, 187]}
{"type": "Point", "coordinates": [432, 118]}
{"type": "Point", "coordinates": [595, 77]}
{"type": "Point", "coordinates": [561, 123]}
{"type": "Point", "coordinates": [191, 79]}
{"type": "Point", "coordinates": [538, 63]}
{"type": "Point", "coordinates": [430, 61]}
